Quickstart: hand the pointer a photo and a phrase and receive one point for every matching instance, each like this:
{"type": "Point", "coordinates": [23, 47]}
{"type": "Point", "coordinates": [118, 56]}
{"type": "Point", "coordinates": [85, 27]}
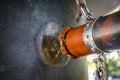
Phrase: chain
{"type": "Point", "coordinates": [83, 9]}
{"type": "Point", "coordinates": [100, 67]}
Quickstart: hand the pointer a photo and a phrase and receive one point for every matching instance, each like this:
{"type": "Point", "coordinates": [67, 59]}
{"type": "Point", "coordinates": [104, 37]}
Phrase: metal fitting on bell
{"type": "Point", "coordinates": [72, 42]}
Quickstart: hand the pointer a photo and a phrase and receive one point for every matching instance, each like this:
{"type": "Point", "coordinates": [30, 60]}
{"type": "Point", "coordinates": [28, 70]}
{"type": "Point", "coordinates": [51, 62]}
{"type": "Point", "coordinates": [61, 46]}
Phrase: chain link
{"type": "Point", "coordinates": [82, 9]}
{"type": "Point", "coordinates": [100, 67]}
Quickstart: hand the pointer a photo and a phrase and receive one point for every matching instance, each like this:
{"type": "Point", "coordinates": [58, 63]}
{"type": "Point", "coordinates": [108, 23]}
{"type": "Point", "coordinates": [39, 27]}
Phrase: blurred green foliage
{"type": "Point", "coordinates": [113, 66]}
